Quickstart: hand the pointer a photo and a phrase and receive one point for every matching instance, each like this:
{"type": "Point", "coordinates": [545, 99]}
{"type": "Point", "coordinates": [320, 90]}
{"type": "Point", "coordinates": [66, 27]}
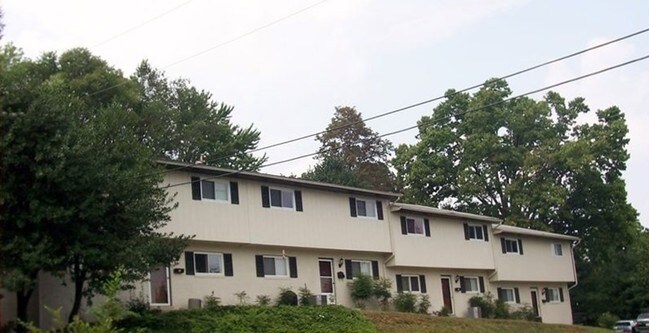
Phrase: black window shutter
{"type": "Point", "coordinates": [404, 230]}
{"type": "Point", "coordinates": [352, 207]}
{"type": "Point", "coordinates": [422, 283]}
{"type": "Point", "coordinates": [520, 246]}
{"type": "Point", "coordinates": [466, 231]}
{"type": "Point", "coordinates": [561, 294]}
{"type": "Point", "coordinates": [348, 269]}
{"type": "Point", "coordinates": [502, 244]}
{"type": "Point", "coordinates": [196, 188]}
{"type": "Point", "coordinates": [547, 295]}
{"type": "Point", "coordinates": [517, 295]}
{"type": "Point", "coordinates": [265, 197]}
{"type": "Point", "coordinates": [379, 209]}
{"type": "Point", "coordinates": [500, 294]}
{"type": "Point", "coordinates": [259, 261]}
{"type": "Point", "coordinates": [298, 201]}
{"type": "Point", "coordinates": [227, 264]}
{"type": "Point", "coordinates": [189, 263]}
{"type": "Point", "coordinates": [427, 227]}
{"type": "Point", "coordinates": [485, 231]}
{"type": "Point", "coordinates": [234, 193]}
{"type": "Point", "coordinates": [292, 266]}
{"type": "Point", "coordinates": [481, 281]}
{"type": "Point", "coordinates": [462, 284]}
{"type": "Point", "coordinates": [399, 284]}
{"type": "Point", "coordinates": [375, 269]}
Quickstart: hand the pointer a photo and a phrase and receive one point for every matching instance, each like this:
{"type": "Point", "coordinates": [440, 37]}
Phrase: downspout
{"type": "Point", "coordinates": [389, 220]}
{"type": "Point", "coordinates": [574, 268]}
{"type": "Point", "coordinates": [493, 255]}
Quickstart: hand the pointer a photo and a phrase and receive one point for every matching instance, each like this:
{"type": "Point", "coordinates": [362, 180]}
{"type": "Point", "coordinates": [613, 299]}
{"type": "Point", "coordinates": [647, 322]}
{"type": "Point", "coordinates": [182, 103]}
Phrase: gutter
{"type": "Point", "coordinates": [574, 268]}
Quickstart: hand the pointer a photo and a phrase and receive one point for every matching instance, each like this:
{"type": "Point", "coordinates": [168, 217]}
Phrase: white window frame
{"type": "Point", "coordinates": [554, 247]}
{"type": "Point", "coordinates": [370, 206]}
{"type": "Point", "coordinates": [513, 294]}
{"type": "Point", "coordinates": [476, 228]}
{"type": "Point", "coordinates": [208, 254]}
{"type": "Point", "coordinates": [168, 289]}
{"type": "Point", "coordinates": [416, 221]}
{"type": "Point", "coordinates": [409, 279]}
{"type": "Point", "coordinates": [275, 258]}
{"type": "Point", "coordinates": [515, 242]}
{"type": "Point", "coordinates": [553, 292]}
{"type": "Point", "coordinates": [213, 181]}
{"type": "Point", "coordinates": [360, 267]}
{"type": "Point", "coordinates": [282, 191]}
{"type": "Point", "coordinates": [466, 285]}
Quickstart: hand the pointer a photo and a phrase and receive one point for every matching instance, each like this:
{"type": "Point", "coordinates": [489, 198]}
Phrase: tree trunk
{"type": "Point", "coordinates": [22, 300]}
{"type": "Point", "coordinates": [78, 278]}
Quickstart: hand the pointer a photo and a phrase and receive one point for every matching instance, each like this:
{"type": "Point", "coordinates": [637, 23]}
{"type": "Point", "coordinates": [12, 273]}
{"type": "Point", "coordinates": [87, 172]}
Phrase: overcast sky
{"type": "Point", "coordinates": [286, 78]}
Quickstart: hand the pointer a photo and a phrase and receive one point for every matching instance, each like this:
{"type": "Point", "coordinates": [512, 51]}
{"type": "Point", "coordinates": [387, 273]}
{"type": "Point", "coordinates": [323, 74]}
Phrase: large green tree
{"type": "Point", "coordinates": [349, 140]}
{"type": "Point", "coordinates": [179, 122]}
{"type": "Point", "coordinates": [531, 163]}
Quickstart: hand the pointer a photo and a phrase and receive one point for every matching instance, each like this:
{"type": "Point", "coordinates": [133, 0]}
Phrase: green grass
{"type": "Point", "coordinates": [393, 322]}
{"type": "Point", "coordinates": [327, 319]}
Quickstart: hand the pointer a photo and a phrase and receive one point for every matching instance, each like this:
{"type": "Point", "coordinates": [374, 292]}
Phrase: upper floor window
{"type": "Point", "coordinates": [366, 208]}
{"type": "Point", "coordinates": [476, 232]}
{"type": "Point", "coordinates": [281, 198]}
{"type": "Point", "coordinates": [411, 283]}
{"type": "Point", "coordinates": [557, 250]}
{"type": "Point", "coordinates": [509, 295]}
{"type": "Point", "coordinates": [511, 245]}
{"type": "Point", "coordinates": [356, 268]}
{"type": "Point", "coordinates": [215, 190]}
{"type": "Point", "coordinates": [553, 295]}
{"type": "Point", "coordinates": [415, 226]}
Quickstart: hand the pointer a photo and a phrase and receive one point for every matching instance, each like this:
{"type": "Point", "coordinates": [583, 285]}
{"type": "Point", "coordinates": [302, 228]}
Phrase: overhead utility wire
{"type": "Point", "coordinates": [430, 123]}
{"type": "Point", "coordinates": [141, 24]}
{"type": "Point", "coordinates": [229, 41]}
{"type": "Point", "coordinates": [222, 158]}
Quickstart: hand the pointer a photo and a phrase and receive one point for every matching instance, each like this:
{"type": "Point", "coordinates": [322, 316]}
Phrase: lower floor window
{"type": "Point", "coordinates": [553, 295]}
{"type": "Point", "coordinates": [410, 283]}
{"type": "Point", "coordinates": [361, 267]}
{"type": "Point", "coordinates": [159, 286]}
{"type": "Point", "coordinates": [275, 266]}
{"type": "Point", "coordinates": [471, 284]}
{"type": "Point", "coordinates": [507, 295]}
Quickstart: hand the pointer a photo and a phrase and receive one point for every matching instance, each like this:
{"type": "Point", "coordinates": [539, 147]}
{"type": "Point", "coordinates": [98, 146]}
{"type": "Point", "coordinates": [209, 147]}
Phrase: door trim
{"type": "Point", "coordinates": [450, 290]}
{"type": "Point", "coordinates": [331, 297]}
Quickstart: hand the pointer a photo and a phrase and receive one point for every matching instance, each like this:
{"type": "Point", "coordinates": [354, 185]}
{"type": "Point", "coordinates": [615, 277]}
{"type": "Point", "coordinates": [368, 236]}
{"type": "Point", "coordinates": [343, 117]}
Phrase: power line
{"type": "Point", "coordinates": [430, 123]}
{"type": "Point", "coordinates": [141, 24]}
{"type": "Point", "coordinates": [528, 69]}
{"type": "Point", "coordinates": [229, 41]}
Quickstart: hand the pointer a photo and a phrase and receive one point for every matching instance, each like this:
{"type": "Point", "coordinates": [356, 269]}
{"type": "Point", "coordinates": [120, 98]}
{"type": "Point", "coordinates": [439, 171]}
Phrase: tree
{"type": "Point", "coordinates": [179, 122]}
{"type": "Point", "coordinates": [333, 170]}
{"type": "Point", "coordinates": [530, 163]}
{"type": "Point", "coordinates": [362, 151]}
{"type": "Point", "coordinates": [79, 191]}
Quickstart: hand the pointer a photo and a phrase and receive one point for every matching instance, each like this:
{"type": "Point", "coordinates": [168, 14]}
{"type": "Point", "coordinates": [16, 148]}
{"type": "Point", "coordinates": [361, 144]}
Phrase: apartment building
{"type": "Point", "coordinates": [258, 233]}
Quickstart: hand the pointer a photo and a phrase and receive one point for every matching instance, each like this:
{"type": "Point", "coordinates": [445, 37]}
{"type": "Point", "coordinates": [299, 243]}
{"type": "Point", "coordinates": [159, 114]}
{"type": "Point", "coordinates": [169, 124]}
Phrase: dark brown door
{"type": "Point", "coordinates": [446, 293]}
{"type": "Point", "coordinates": [535, 303]}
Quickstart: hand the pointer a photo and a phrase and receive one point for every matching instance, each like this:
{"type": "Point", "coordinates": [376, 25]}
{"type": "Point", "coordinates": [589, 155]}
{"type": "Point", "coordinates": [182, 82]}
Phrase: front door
{"type": "Point", "coordinates": [446, 293]}
{"type": "Point", "coordinates": [327, 288]}
{"type": "Point", "coordinates": [535, 302]}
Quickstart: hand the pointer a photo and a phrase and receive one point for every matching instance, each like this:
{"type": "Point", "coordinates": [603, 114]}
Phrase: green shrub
{"type": "Point", "coordinates": [306, 297]}
{"type": "Point", "coordinates": [607, 320]}
{"type": "Point", "coordinates": [424, 303]}
{"type": "Point", "coordinates": [486, 305]}
{"type": "Point", "coordinates": [362, 289]}
{"type": "Point", "coordinates": [242, 296]}
{"type": "Point", "coordinates": [212, 302]}
{"type": "Point", "coordinates": [445, 311]}
{"type": "Point", "coordinates": [381, 290]}
{"type": "Point", "coordinates": [263, 300]}
{"type": "Point", "coordinates": [287, 297]}
{"type": "Point", "coordinates": [523, 313]}
{"type": "Point", "coordinates": [405, 302]}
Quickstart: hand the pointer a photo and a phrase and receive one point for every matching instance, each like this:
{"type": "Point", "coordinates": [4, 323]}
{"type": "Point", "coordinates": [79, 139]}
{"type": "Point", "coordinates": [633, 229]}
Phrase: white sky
{"type": "Point", "coordinates": [287, 78]}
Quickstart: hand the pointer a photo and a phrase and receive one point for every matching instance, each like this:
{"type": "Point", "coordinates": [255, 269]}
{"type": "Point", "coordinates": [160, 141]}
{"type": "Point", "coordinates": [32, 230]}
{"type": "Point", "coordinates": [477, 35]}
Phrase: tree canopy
{"type": "Point", "coordinates": [531, 163]}
{"type": "Point", "coordinates": [80, 186]}
{"type": "Point", "coordinates": [349, 141]}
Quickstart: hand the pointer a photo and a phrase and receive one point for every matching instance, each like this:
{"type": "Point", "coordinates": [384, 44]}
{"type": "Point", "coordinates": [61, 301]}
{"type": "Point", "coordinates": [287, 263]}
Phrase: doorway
{"type": "Point", "coordinates": [446, 293]}
{"type": "Point", "coordinates": [327, 282]}
{"type": "Point", "coordinates": [534, 294]}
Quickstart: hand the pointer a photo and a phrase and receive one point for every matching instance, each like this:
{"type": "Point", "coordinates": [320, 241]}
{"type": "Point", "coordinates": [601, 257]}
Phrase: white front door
{"type": "Point", "coordinates": [327, 282]}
